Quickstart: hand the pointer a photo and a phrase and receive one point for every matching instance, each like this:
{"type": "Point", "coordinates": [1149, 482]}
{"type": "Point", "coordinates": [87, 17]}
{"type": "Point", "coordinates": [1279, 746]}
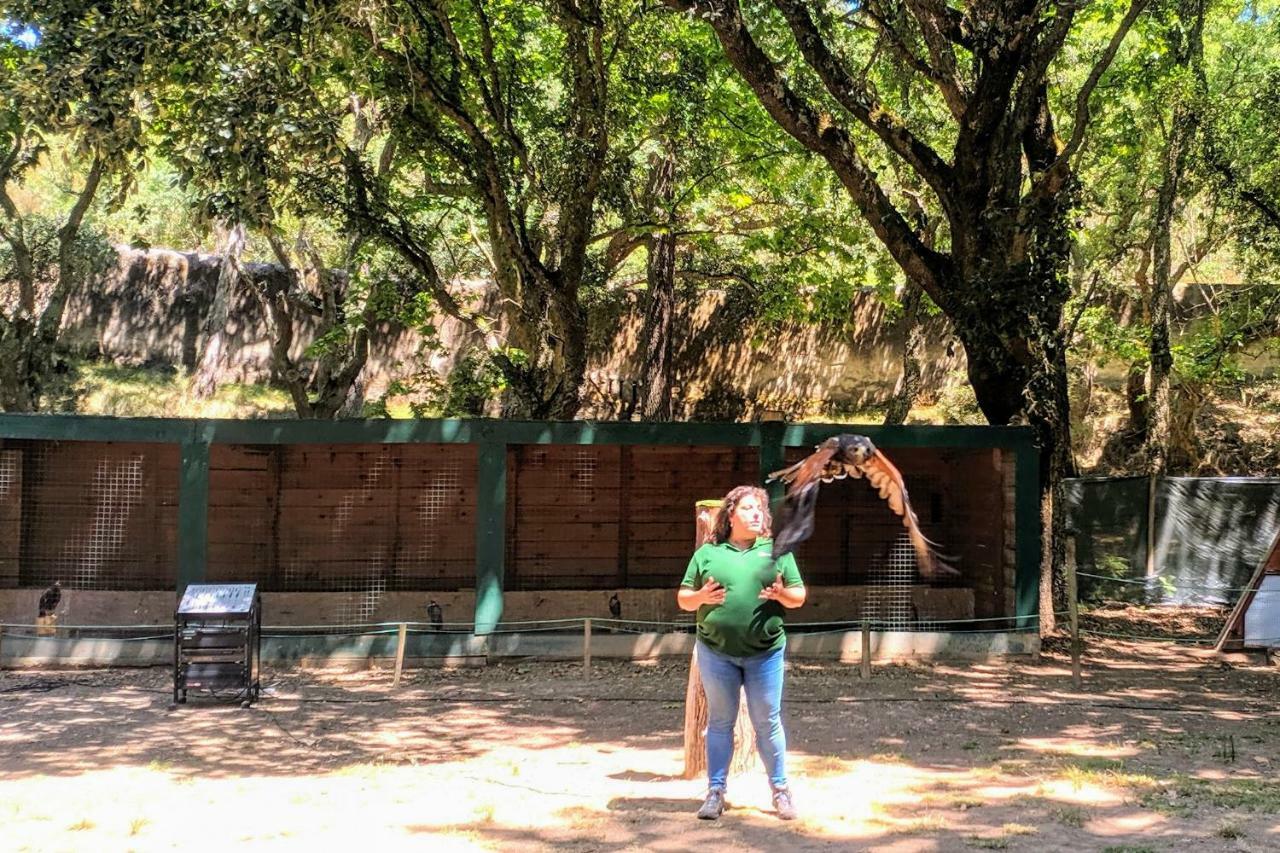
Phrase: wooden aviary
{"type": "Point", "coordinates": [695, 699]}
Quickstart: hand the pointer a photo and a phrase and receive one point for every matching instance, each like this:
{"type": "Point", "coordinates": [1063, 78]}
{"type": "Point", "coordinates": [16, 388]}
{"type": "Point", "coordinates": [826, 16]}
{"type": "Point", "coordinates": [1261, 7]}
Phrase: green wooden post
{"type": "Point", "coordinates": [1026, 578]}
{"type": "Point", "coordinates": [491, 533]}
{"type": "Point", "coordinates": [193, 512]}
{"type": "Point", "coordinates": [772, 456]}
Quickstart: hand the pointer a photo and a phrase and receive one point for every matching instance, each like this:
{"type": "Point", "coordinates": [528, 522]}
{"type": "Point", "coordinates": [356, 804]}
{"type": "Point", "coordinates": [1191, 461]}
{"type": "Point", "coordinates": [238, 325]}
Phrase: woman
{"type": "Point", "coordinates": [740, 594]}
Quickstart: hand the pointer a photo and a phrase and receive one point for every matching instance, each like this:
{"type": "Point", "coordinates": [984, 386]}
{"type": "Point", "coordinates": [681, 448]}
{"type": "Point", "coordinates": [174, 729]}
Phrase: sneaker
{"type": "Point", "coordinates": [713, 805]}
{"type": "Point", "coordinates": [783, 804]}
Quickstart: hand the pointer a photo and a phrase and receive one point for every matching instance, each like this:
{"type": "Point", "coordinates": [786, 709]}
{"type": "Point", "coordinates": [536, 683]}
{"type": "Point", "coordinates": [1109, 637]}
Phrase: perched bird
{"type": "Point", "coordinates": [49, 599]}
{"type": "Point", "coordinates": [834, 459]}
{"type": "Point", "coordinates": [436, 614]}
{"type": "Point", "coordinates": [615, 606]}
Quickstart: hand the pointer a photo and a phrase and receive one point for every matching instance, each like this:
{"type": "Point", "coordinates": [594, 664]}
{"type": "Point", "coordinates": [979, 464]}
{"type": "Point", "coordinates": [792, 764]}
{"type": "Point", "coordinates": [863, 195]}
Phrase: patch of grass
{"type": "Point", "coordinates": [159, 766]}
{"type": "Point", "coordinates": [981, 843]}
{"type": "Point", "coordinates": [1229, 829]}
{"type": "Point", "coordinates": [108, 389]}
{"type": "Point", "coordinates": [1070, 816]}
{"type": "Point", "coordinates": [1184, 794]}
{"type": "Point", "coordinates": [81, 825]}
{"type": "Point", "coordinates": [964, 803]}
{"type": "Point", "coordinates": [364, 770]}
{"type": "Point", "coordinates": [887, 758]}
{"type": "Point", "coordinates": [1018, 829]}
{"type": "Point", "coordinates": [930, 822]}
{"type": "Point", "coordinates": [826, 765]}
{"type": "Point", "coordinates": [1104, 772]}
{"type": "Point", "coordinates": [137, 825]}
{"type": "Point", "coordinates": [969, 744]}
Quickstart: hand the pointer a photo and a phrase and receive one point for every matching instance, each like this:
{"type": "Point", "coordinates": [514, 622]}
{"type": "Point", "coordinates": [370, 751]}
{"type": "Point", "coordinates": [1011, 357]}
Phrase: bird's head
{"type": "Point", "coordinates": [57, 584]}
{"type": "Point", "coordinates": [855, 449]}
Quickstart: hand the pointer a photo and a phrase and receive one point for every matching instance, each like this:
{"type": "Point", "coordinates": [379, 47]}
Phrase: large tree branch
{"type": "Point", "coordinates": [1054, 176]}
{"type": "Point", "coordinates": [854, 97]}
{"type": "Point", "coordinates": [817, 132]}
{"type": "Point", "coordinates": [482, 162]}
{"type": "Point", "coordinates": [935, 22]}
{"type": "Point", "coordinates": [584, 49]}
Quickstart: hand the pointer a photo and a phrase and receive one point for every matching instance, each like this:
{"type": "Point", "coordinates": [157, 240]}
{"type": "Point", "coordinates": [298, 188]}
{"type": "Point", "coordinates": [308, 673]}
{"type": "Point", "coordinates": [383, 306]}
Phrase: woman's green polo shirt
{"type": "Point", "coordinates": [744, 624]}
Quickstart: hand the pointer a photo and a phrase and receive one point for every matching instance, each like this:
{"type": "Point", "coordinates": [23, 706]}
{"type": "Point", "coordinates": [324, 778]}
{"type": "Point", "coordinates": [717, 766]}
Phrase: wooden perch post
{"type": "Point", "coordinates": [695, 699]}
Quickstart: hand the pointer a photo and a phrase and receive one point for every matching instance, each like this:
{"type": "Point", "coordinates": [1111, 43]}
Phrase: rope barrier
{"type": "Point", "coordinates": [1158, 581]}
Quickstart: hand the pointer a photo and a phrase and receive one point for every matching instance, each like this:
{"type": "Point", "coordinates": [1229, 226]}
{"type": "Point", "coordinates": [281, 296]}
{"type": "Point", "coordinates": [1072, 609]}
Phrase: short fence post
{"type": "Point", "coordinates": [586, 646]}
{"type": "Point", "coordinates": [404, 630]}
{"type": "Point", "coordinates": [866, 648]}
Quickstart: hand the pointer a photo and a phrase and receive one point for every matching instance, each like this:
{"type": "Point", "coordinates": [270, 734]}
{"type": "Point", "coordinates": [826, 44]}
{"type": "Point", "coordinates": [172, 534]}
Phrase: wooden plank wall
{"type": "Point", "coordinates": [583, 517]}
{"type": "Point", "coordinates": [10, 516]}
{"type": "Point", "coordinates": [343, 517]}
{"type": "Point", "coordinates": [99, 515]}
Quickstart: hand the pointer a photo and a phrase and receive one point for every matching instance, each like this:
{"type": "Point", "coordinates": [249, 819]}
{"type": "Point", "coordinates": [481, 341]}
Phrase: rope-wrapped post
{"type": "Point", "coordinates": [695, 699]}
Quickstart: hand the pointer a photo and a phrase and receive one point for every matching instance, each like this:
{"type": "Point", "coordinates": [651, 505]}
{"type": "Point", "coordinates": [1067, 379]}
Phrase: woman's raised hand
{"type": "Point", "coordinates": [712, 592]}
{"type": "Point", "coordinates": [774, 590]}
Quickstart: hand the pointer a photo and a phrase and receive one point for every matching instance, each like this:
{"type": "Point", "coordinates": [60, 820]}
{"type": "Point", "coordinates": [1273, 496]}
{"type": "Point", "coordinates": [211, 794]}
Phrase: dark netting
{"type": "Point", "coordinates": [1210, 535]}
{"type": "Point", "coordinates": [1109, 517]}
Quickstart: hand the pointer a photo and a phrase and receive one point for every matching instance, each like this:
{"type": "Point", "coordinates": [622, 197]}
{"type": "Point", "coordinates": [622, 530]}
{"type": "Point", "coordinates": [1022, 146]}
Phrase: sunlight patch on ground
{"type": "Point", "coordinates": [1071, 746]}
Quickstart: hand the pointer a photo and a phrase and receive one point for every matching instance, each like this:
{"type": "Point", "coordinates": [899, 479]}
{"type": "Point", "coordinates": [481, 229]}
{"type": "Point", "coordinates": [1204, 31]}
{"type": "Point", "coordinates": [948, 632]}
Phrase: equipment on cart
{"type": "Point", "coordinates": [217, 641]}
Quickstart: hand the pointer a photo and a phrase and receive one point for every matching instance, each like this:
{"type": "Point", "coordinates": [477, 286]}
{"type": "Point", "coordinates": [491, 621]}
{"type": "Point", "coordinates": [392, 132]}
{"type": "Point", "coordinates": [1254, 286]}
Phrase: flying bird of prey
{"type": "Point", "coordinates": [49, 599]}
{"type": "Point", "coordinates": [436, 614]}
{"type": "Point", "coordinates": [615, 606]}
{"type": "Point", "coordinates": [834, 459]}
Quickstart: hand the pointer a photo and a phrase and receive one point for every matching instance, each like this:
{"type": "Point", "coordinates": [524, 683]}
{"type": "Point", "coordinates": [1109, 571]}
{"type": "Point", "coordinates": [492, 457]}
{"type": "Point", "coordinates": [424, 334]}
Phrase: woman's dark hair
{"type": "Point", "coordinates": [720, 532]}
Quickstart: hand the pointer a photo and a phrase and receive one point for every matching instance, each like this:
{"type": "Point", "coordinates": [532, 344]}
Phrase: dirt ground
{"type": "Point", "coordinates": [1165, 748]}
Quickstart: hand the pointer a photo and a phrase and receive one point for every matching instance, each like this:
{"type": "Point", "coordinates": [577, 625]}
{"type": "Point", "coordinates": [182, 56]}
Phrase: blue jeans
{"type": "Point", "coordinates": [723, 678]}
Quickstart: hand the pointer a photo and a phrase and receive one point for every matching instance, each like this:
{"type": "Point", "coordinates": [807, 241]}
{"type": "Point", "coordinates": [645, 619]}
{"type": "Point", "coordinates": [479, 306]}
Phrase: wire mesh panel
{"type": "Point", "coordinates": [663, 484]}
{"type": "Point", "coordinates": [564, 506]}
{"type": "Point", "coordinates": [858, 542]}
{"type": "Point", "coordinates": [10, 516]}
{"type": "Point", "coordinates": [369, 521]}
{"type": "Point", "coordinates": [244, 502]}
{"type": "Point", "coordinates": [98, 515]}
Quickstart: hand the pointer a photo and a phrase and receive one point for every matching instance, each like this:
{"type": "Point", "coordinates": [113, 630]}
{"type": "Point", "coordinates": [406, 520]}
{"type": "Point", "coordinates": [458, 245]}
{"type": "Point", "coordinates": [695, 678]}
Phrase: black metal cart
{"type": "Point", "coordinates": [218, 641]}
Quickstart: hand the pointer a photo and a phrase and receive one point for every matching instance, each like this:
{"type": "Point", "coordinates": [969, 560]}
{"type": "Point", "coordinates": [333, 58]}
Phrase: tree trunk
{"type": "Point", "coordinates": [1185, 47]}
{"type": "Point", "coordinates": [1135, 394]}
{"type": "Point", "coordinates": [904, 394]}
{"type": "Point", "coordinates": [212, 361]}
{"type": "Point", "coordinates": [655, 371]}
{"type": "Point", "coordinates": [660, 275]}
{"type": "Point", "coordinates": [28, 340]}
{"type": "Point", "coordinates": [695, 698]}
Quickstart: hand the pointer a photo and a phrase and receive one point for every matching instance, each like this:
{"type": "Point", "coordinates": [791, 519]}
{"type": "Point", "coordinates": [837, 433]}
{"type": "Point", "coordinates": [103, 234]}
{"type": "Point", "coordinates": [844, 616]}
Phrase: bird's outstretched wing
{"type": "Point", "coordinates": [887, 480]}
{"type": "Point", "coordinates": [823, 465]}
{"type": "Point", "coordinates": [827, 463]}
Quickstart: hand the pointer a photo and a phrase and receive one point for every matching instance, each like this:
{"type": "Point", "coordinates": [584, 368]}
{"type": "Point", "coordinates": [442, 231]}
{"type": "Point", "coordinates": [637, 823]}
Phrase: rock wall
{"type": "Point", "coordinates": [152, 308]}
